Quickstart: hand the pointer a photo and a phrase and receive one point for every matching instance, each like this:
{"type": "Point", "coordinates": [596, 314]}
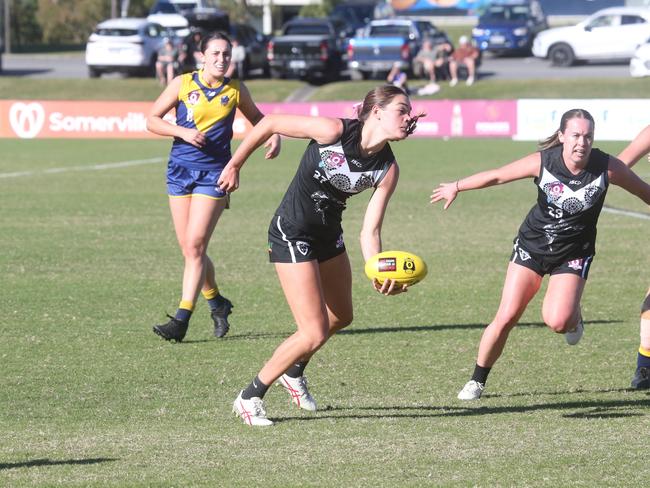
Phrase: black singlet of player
{"type": "Point", "coordinates": [562, 225]}
{"type": "Point", "coordinates": [327, 176]}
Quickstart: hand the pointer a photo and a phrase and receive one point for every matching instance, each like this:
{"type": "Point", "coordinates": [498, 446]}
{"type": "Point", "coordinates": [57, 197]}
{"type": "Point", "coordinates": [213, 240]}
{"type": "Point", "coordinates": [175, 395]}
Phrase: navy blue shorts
{"type": "Point", "coordinates": [577, 266]}
{"type": "Point", "coordinates": [184, 182]}
{"type": "Point", "coordinates": [289, 244]}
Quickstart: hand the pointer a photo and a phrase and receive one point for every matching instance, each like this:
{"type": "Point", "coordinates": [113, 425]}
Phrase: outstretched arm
{"type": "Point", "coordinates": [527, 167]}
{"type": "Point", "coordinates": [373, 219]}
{"type": "Point", "coordinates": [322, 129]}
{"type": "Point", "coordinates": [637, 148]}
{"type": "Point", "coordinates": [621, 175]}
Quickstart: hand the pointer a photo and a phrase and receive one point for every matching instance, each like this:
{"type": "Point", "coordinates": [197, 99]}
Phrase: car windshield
{"type": "Point", "coordinates": [164, 8]}
{"type": "Point", "coordinates": [506, 13]}
{"type": "Point", "coordinates": [307, 30]}
{"type": "Point", "coordinates": [390, 31]}
{"type": "Point", "coordinates": [115, 32]}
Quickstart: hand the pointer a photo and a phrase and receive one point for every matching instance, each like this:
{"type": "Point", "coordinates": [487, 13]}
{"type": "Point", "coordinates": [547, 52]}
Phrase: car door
{"type": "Point", "coordinates": [596, 38]}
{"type": "Point", "coordinates": [634, 31]}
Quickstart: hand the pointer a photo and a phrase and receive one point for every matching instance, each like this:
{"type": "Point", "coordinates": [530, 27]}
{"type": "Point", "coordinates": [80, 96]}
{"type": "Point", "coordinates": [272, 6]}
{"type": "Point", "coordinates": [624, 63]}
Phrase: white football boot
{"type": "Point", "coordinates": [572, 337]}
{"type": "Point", "coordinates": [471, 391]}
{"type": "Point", "coordinates": [251, 411]}
{"type": "Point", "coordinates": [297, 388]}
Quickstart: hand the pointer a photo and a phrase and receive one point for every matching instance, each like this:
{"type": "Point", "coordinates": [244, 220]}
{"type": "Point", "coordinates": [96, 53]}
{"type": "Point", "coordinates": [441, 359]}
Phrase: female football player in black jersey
{"type": "Point", "coordinates": [343, 158]}
{"type": "Point", "coordinates": [556, 238]}
{"type": "Point", "coordinates": [639, 147]}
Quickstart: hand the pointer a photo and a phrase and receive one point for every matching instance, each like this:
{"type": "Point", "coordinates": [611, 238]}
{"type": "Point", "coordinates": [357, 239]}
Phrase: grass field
{"type": "Point", "coordinates": [89, 396]}
{"type": "Point", "coordinates": [278, 90]}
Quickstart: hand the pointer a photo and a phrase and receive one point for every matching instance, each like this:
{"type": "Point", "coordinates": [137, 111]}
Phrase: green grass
{"type": "Point", "coordinates": [89, 396]}
{"type": "Point", "coordinates": [278, 90]}
{"type": "Point", "coordinates": [129, 89]}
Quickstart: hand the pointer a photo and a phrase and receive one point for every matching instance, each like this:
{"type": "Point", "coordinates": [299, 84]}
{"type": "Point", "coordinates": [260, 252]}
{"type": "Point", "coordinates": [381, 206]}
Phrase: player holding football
{"type": "Point", "coordinates": [556, 238]}
{"type": "Point", "coordinates": [205, 102]}
{"type": "Point", "coordinates": [641, 380]}
{"type": "Point", "coordinates": [343, 158]}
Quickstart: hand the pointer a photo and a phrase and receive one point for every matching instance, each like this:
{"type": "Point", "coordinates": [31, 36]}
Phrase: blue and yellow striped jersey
{"type": "Point", "coordinates": [210, 110]}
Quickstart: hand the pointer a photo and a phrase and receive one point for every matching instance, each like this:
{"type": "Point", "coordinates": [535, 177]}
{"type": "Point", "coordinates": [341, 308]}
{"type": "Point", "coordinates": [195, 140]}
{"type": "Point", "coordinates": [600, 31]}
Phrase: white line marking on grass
{"type": "Point", "coordinates": [627, 213]}
{"type": "Point", "coordinates": [94, 167]}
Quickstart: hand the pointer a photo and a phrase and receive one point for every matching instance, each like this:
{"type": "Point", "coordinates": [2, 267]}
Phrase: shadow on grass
{"type": "Point", "coordinates": [420, 328]}
{"type": "Point", "coordinates": [588, 409]}
{"type": "Point", "coordinates": [24, 72]}
{"type": "Point", "coordinates": [384, 329]}
{"type": "Point", "coordinates": [51, 462]}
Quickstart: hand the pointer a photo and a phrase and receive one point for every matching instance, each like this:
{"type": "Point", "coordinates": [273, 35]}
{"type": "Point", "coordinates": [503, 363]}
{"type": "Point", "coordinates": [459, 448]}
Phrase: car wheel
{"type": "Point", "coordinates": [561, 55]}
{"type": "Point", "coordinates": [93, 72]}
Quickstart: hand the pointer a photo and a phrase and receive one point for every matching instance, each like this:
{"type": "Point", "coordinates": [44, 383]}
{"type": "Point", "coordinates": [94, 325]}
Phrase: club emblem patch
{"type": "Point", "coordinates": [575, 264]}
{"type": "Point", "coordinates": [303, 247]}
{"type": "Point", "coordinates": [193, 97]}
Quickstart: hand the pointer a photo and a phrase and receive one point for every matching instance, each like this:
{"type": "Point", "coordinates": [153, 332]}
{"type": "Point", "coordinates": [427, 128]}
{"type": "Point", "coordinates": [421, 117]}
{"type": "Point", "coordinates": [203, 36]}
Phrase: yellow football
{"type": "Point", "coordinates": [403, 267]}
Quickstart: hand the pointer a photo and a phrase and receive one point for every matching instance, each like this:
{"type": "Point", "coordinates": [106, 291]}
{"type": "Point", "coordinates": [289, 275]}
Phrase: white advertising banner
{"type": "Point", "coordinates": [616, 119]}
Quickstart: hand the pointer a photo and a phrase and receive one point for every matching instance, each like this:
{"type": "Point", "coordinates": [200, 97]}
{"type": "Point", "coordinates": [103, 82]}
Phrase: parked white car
{"type": "Point", "coordinates": [640, 62]}
{"type": "Point", "coordinates": [609, 34]}
{"type": "Point", "coordinates": [125, 45]}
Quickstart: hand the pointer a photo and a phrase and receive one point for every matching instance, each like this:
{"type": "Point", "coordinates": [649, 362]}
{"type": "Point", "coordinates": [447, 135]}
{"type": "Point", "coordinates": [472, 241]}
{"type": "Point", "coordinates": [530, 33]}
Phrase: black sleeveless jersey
{"type": "Point", "coordinates": [562, 225]}
{"type": "Point", "coordinates": [327, 176]}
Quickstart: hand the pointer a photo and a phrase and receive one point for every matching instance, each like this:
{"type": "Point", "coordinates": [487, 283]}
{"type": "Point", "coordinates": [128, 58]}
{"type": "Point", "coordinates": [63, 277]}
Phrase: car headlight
{"type": "Point", "coordinates": [520, 31]}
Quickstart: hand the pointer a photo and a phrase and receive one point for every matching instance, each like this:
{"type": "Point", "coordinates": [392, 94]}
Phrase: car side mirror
{"type": "Point", "coordinates": [588, 28]}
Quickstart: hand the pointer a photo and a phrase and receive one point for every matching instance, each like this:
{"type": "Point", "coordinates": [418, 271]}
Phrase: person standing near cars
{"type": "Point", "coordinates": [639, 147]}
{"type": "Point", "coordinates": [557, 237]}
{"type": "Point", "coordinates": [237, 66]}
{"type": "Point", "coordinates": [205, 102]}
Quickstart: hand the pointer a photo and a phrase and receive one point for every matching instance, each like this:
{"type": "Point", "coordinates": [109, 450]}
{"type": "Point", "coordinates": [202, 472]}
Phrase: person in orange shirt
{"type": "Point", "coordinates": [466, 54]}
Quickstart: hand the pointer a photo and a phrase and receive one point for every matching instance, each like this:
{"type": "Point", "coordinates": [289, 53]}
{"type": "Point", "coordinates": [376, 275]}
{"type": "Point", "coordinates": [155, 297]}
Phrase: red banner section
{"type": "Point", "coordinates": [29, 119]}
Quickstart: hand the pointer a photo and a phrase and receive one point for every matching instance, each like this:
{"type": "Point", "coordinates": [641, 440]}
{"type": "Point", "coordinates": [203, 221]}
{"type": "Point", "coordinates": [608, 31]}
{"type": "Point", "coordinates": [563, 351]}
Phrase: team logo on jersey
{"type": "Point", "coordinates": [193, 97]}
{"type": "Point", "coordinates": [224, 100]}
{"type": "Point", "coordinates": [333, 159]}
{"type": "Point", "coordinates": [553, 190]}
{"type": "Point", "coordinates": [303, 247]}
{"type": "Point", "coordinates": [575, 264]}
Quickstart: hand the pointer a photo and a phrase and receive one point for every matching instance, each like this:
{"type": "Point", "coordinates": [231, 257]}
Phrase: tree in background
{"type": "Point", "coordinates": [317, 10]}
{"type": "Point", "coordinates": [70, 21]}
{"type": "Point", "coordinates": [22, 19]}
{"type": "Point", "coordinates": [63, 21]}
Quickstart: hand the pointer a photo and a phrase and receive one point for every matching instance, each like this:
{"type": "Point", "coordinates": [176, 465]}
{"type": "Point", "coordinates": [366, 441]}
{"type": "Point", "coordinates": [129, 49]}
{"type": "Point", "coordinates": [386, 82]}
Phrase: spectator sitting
{"type": "Point", "coordinates": [466, 54]}
{"type": "Point", "coordinates": [397, 77]}
{"type": "Point", "coordinates": [167, 62]}
{"type": "Point", "coordinates": [433, 58]}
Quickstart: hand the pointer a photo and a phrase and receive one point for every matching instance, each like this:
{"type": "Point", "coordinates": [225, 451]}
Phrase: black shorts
{"type": "Point", "coordinates": [290, 244]}
{"type": "Point", "coordinates": [577, 266]}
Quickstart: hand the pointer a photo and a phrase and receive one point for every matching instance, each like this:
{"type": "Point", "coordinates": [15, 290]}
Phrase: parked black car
{"type": "Point", "coordinates": [309, 48]}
